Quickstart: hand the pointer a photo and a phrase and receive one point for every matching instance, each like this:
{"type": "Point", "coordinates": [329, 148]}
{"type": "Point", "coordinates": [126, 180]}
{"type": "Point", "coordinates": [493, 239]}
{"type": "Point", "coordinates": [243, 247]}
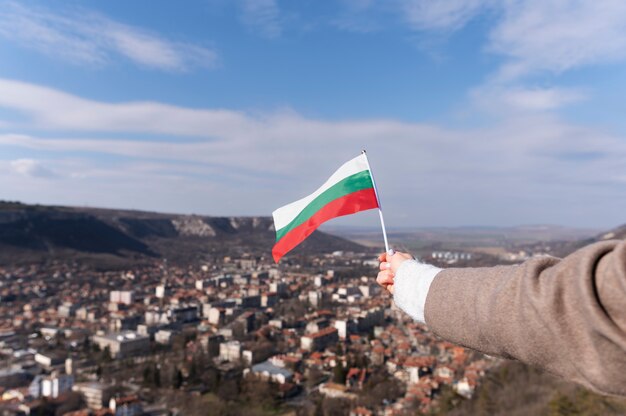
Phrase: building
{"type": "Point", "coordinates": [161, 291]}
{"type": "Point", "coordinates": [156, 317]}
{"type": "Point", "coordinates": [202, 284]}
{"type": "Point", "coordinates": [164, 336]}
{"type": "Point", "coordinates": [347, 294]}
{"type": "Point", "coordinates": [242, 280]}
{"type": "Point", "coordinates": [212, 344]}
{"type": "Point", "coordinates": [147, 330]}
{"type": "Point", "coordinates": [320, 340]}
{"type": "Point", "coordinates": [248, 357]}
{"type": "Point", "coordinates": [34, 389]}
{"type": "Point", "coordinates": [247, 321]}
{"type": "Point", "coordinates": [50, 359]}
{"type": "Point", "coordinates": [369, 290]}
{"type": "Point", "coordinates": [336, 391]}
{"type": "Point", "coordinates": [343, 329]}
{"type": "Point", "coordinates": [277, 323]}
{"type": "Point", "coordinates": [14, 376]}
{"type": "Point", "coordinates": [261, 275]}
{"type": "Point", "coordinates": [126, 406]}
{"type": "Point", "coordinates": [121, 323]}
{"type": "Point", "coordinates": [125, 297]}
{"type": "Point", "coordinates": [315, 298]}
{"type": "Point", "coordinates": [222, 280]}
{"type": "Point", "coordinates": [317, 325]}
{"type": "Point", "coordinates": [183, 313]}
{"type": "Point", "coordinates": [268, 371]}
{"type": "Point", "coordinates": [247, 264]}
{"type": "Point", "coordinates": [217, 316]}
{"type": "Point", "coordinates": [53, 386]}
{"type": "Point", "coordinates": [123, 344]}
{"type": "Point", "coordinates": [94, 393]}
{"type": "Point", "coordinates": [278, 287]}
{"type": "Point", "coordinates": [366, 320]}
{"type": "Point", "coordinates": [67, 310]}
{"type": "Point", "coordinates": [253, 301]}
{"type": "Point", "coordinates": [230, 351]}
{"type": "Point", "coordinates": [465, 388]}
{"type": "Point", "coordinates": [318, 280]}
{"type": "Point", "coordinates": [269, 299]}
{"type": "Point", "coordinates": [206, 307]}
{"type": "Point", "coordinates": [451, 257]}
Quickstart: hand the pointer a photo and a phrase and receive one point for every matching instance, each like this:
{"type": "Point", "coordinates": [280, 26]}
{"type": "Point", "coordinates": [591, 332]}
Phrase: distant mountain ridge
{"type": "Point", "coordinates": [33, 233]}
{"type": "Point", "coordinates": [618, 233]}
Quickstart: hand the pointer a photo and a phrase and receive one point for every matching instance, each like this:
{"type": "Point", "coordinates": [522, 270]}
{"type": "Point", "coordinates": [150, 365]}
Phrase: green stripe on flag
{"type": "Point", "coordinates": [353, 183]}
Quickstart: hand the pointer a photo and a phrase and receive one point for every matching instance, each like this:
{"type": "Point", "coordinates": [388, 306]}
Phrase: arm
{"type": "Point", "coordinates": [566, 316]}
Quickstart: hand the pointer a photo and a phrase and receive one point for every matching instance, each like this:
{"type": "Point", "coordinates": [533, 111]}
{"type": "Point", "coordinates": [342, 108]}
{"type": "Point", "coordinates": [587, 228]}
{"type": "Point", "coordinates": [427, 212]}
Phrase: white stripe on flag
{"type": "Point", "coordinates": [285, 214]}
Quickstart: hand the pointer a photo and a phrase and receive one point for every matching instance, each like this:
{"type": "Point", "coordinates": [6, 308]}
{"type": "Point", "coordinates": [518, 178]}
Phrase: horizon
{"type": "Point", "coordinates": [472, 112]}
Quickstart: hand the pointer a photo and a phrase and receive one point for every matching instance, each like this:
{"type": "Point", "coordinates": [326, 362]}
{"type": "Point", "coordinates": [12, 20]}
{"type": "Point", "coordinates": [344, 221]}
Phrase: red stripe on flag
{"type": "Point", "coordinates": [349, 204]}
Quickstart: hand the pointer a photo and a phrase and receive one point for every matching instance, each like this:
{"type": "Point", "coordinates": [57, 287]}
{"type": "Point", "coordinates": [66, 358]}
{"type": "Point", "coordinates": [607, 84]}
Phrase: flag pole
{"type": "Point", "coordinates": [380, 211]}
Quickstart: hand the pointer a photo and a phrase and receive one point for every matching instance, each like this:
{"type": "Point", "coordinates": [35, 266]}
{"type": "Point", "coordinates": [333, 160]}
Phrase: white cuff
{"type": "Point", "coordinates": [410, 287]}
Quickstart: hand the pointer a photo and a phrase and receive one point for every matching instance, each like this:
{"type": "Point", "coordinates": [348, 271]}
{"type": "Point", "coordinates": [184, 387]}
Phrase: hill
{"type": "Point", "coordinates": [563, 248]}
{"type": "Point", "coordinates": [618, 233]}
{"type": "Point", "coordinates": [37, 233]}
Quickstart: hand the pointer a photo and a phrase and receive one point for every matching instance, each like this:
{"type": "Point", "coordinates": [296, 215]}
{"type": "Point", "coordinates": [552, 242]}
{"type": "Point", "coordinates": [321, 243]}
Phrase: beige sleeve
{"type": "Point", "coordinates": [566, 316]}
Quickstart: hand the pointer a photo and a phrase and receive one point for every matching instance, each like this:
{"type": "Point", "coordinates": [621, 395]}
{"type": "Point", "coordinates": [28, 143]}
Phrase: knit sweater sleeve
{"type": "Point", "coordinates": [411, 284]}
{"type": "Point", "coordinates": [566, 316]}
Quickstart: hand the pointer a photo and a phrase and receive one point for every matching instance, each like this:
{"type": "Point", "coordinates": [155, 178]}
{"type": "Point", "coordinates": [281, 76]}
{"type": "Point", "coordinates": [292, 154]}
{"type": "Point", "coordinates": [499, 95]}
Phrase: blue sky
{"type": "Point", "coordinates": [473, 112]}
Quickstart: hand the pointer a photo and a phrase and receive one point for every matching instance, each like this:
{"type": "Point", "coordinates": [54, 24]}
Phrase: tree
{"type": "Point", "coordinates": [157, 376]}
{"type": "Point", "coordinates": [105, 355]}
{"type": "Point", "coordinates": [335, 407]}
{"type": "Point", "coordinates": [228, 389]}
{"type": "Point", "coordinates": [561, 405]}
{"type": "Point", "coordinates": [178, 379]}
{"type": "Point", "coordinates": [379, 387]}
{"type": "Point", "coordinates": [314, 377]}
{"type": "Point", "coordinates": [86, 345]}
{"type": "Point", "coordinates": [152, 376]}
{"type": "Point", "coordinates": [258, 392]}
{"type": "Point", "coordinates": [360, 361]}
{"type": "Point", "coordinates": [339, 373]}
{"type": "Point", "coordinates": [193, 373]}
{"type": "Point", "coordinates": [339, 350]}
{"type": "Point", "coordinates": [211, 378]}
{"type": "Point", "coordinates": [485, 403]}
{"type": "Point", "coordinates": [447, 400]}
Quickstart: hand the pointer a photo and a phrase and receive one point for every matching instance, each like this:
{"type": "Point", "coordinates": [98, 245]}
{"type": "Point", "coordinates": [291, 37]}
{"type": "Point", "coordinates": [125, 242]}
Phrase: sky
{"type": "Point", "coordinates": [472, 112]}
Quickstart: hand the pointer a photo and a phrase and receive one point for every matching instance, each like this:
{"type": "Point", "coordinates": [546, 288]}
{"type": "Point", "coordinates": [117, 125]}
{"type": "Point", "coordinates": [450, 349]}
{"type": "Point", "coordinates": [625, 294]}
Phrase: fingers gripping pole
{"type": "Point", "coordinates": [380, 211]}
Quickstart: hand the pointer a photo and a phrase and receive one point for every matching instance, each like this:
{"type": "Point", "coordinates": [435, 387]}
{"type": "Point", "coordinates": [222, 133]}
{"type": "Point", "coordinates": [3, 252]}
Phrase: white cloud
{"type": "Point", "coordinates": [507, 99]}
{"type": "Point", "coordinates": [447, 15]}
{"type": "Point", "coordinates": [30, 168]}
{"type": "Point", "coordinates": [263, 16]}
{"type": "Point", "coordinates": [533, 35]}
{"type": "Point", "coordinates": [358, 16]}
{"type": "Point", "coordinates": [90, 38]}
{"type": "Point", "coordinates": [51, 108]}
{"type": "Point", "coordinates": [272, 159]}
{"type": "Point", "coordinates": [554, 35]}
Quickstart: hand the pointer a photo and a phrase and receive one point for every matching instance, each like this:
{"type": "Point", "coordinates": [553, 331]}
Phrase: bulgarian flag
{"type": "Point", "coordinates": [349, 190]}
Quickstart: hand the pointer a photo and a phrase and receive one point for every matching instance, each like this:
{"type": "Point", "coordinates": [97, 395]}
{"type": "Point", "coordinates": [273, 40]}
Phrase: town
{"type": "Point", "coordinates": [309, 337]}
